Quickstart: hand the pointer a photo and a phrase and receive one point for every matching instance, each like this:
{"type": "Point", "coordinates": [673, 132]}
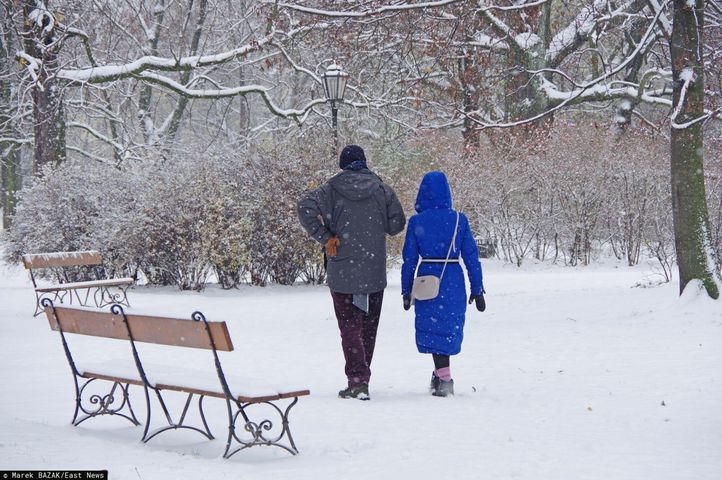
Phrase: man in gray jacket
{"type": "Point", "coordinates": [351, 215]}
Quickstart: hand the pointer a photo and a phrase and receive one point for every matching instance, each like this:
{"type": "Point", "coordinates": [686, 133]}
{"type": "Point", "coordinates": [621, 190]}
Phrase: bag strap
{"type": "Point", "coordinates": [453, 244]}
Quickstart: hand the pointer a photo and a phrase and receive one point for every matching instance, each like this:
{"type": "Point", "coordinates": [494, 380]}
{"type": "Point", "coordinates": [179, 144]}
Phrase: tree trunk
{"type": "Point", "coordinates": [146, 92]}
{"type": "Point", "coordinates": [9, 150]}
{"type": "Point", "coordinates": [49, 125]}
{"type": "Point", "coordinates": [468, 74]}
{"type": "Point", "coordinates": [525, 97]}
{"type": "Point", "coordinates": [185, 76]}
{"type": "Point", "coordinates": [49, 116]}
{"type": "Point", "coordinates": [695, 257]}
{"type": "Point", "coordinates": [244, 111]}
{"type": "Point", "coordinates": [625, 106]}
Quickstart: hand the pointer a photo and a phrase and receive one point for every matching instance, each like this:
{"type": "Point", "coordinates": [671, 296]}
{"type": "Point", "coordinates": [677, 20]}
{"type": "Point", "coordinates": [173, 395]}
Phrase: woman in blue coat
{"type": "Point", "coordinates": [440, 321]}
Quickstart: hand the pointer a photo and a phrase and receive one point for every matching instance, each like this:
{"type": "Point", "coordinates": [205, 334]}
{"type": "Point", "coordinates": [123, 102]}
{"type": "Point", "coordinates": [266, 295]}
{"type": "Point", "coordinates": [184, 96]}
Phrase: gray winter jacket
{"type": "Point", "coordinates": [358, 208]}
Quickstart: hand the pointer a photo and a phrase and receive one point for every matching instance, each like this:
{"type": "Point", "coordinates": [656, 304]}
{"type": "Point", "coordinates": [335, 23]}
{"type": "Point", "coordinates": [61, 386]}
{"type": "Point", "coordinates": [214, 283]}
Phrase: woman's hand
{"type": "Point", "coordinates": [480, 302]}
{"type": "Point", "coordinates": [407, 302]}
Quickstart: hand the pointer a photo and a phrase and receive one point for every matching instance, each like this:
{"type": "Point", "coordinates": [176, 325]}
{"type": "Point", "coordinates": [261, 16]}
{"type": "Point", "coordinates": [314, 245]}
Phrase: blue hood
{"type": "Point", "coordinates": [434, 192]}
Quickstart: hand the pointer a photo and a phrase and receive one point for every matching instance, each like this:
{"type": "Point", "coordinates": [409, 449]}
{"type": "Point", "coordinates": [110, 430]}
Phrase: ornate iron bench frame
{"type": "Point", "coordinates": [92, 261]}
{"type": "Point", "coordinates": [113, 404]}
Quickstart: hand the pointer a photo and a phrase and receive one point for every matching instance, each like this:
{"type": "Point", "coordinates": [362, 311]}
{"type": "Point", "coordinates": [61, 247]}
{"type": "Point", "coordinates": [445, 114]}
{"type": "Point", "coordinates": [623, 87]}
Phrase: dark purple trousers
{"type": "Point", "coordinates": [358, 334]}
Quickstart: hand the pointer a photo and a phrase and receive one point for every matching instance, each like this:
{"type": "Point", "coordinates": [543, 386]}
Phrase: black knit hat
{"type": "Point", "coordinates": [352, 154]}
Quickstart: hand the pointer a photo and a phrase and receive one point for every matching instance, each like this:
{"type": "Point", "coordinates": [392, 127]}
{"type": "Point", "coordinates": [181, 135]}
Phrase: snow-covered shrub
{"type": "Point", "coordinates": [280, 250]}
{"type": "Point", "coordinates": [658, 235]}
{"type": "Point", "coordinates": [72, 208]}
{"type": "Point", "coordinates": [226, 238]}
{"type": "Point", "coordinates": [570, 192]}
{"type": "Point", "coordinates": [146, 217]}
{"type": "Point", "coordinates": [515, 221]}
{"type": "Point", "coordinates": [169, 223]}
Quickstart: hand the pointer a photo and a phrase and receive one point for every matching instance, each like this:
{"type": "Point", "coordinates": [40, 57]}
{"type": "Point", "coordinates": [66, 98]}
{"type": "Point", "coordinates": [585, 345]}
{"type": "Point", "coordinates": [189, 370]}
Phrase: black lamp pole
{"type": "Point", "coordinates": [334, 125]}
{"type": "Point", "coordinates": [334, 82]}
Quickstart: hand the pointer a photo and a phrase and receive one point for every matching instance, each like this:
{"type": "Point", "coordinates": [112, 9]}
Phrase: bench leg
{"type": "Point", "coordinates": [111, 403]}
{"type": "Point", "coordinates": [259, 431]}
{"type": "Point", "coordinates": [206, 432]}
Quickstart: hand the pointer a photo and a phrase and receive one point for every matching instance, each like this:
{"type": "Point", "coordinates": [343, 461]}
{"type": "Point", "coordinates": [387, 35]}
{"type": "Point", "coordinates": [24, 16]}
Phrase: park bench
{"type": "Point", "coordinates": [239, 394]}
{"type": "Point", "coordinates": [77, 275]}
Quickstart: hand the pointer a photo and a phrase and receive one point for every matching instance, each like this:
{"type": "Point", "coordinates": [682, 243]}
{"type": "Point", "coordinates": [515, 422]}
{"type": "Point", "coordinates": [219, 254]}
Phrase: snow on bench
{"type": "Point", "coordinates": [62, 259]}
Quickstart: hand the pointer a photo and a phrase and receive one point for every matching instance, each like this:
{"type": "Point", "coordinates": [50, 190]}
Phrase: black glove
{"type": "Point", "coordinates": [480, 302]}
{"type": "Point", "coordinates": [407, 302]}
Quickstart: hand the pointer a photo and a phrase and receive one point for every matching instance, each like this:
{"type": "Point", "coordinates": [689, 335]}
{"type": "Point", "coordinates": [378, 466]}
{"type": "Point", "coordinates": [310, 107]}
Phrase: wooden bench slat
{"type": "Point", "coordinates": [148, 329]}
{"type": "Point", "coordinates": [62, 259]}
{"type": "Point", "coordinates": [111, 282]}
{"type": "Point", "coordinates": [87, 322]}
{"type": "Point", "coordinates": [112, 378]}
{"type": "Point", "coordinates": [299, 393]}
{"type": "Point", "coordinates": [179, 332]}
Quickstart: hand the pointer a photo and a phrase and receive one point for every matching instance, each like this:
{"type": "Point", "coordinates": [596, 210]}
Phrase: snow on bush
{"type": "Point", "coordinates": [221, 213]}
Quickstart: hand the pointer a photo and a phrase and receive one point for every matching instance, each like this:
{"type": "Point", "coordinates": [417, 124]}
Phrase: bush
{"type": "Point", "coordinates": [566, 193]}
{"type": "Point", "coordinates": [178, 222]}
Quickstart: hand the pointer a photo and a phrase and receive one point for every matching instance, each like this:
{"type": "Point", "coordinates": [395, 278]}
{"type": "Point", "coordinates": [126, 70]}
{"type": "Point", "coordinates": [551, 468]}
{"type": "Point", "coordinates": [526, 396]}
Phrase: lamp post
{"type": "Point", "coordinates": [334, 82]}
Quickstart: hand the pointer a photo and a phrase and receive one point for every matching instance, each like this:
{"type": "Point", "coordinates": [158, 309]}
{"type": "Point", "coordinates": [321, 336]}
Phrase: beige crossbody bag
{"type": "Point", "coordinates": [426, 287]}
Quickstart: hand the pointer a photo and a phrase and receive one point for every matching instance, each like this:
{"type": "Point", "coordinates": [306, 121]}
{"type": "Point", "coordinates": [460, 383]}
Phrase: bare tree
{"type": "Point", "coordinates": [695, 255]}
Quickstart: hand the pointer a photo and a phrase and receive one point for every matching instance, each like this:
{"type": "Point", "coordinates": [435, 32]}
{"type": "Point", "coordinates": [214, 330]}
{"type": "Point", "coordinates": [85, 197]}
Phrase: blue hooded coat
{"type": "Point", "coordinates": [439, 321]}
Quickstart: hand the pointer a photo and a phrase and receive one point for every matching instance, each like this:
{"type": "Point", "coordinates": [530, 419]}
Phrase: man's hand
{"type": "Point", "coordinates": [331, 246]}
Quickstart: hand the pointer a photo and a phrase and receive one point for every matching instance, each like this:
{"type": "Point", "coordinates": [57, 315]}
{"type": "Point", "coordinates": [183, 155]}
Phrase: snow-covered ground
{"type": "Point", "coordinates": [570, 374]}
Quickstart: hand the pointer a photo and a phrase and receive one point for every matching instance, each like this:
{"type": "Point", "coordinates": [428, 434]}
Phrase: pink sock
{"type": "Point", "coordinates": [444, 373]}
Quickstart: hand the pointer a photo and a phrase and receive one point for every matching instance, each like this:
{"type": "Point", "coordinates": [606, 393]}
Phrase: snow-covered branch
{"type": "Point", "coordinates": [16, 141]}
{"type": "Point", "coordinates": [484, 41]}
{"type": "Point", "coordinates": [32, 65]}
{"type": "Point", "coordinates": [402, 7]}
{"type": "Point", "coordinates": [95, 133]}
{"type": "Point", "coordinates": [299, 115]}
{"type": "Point", "coordinates": [589, 91]}
{"type": "Point", "coordinates": [397, 7]}
{"type": "Point", "coordinates": [664, 21]}
{"type": "Point", "coordinates": [603, 92]}
{"type": "Point", "coordinates": [519, 43]}
{"type": "Point", "coordinates": [107, 73]}
{"type": "Point", "coordinates": [687, 77]}
{"type": "Point", "coordinates": [589, 19]}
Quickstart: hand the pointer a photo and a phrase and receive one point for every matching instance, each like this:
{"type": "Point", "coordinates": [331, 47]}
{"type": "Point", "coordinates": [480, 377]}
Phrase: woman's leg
{"type": "Point", "coordinates": [441, 361]}
{"type": "Point", "coordinates": [441, 383]}
{"type": "Point", "coordinates": [443, 369]}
